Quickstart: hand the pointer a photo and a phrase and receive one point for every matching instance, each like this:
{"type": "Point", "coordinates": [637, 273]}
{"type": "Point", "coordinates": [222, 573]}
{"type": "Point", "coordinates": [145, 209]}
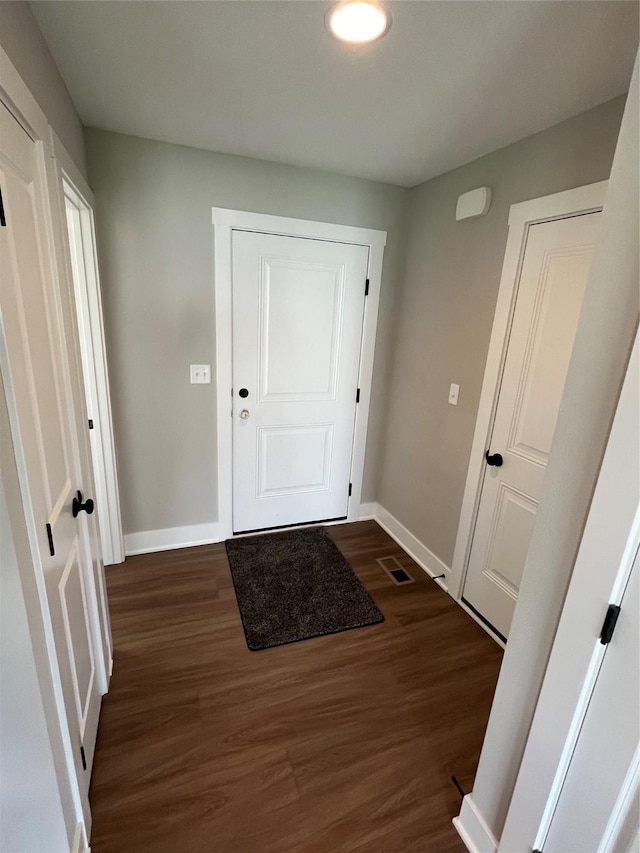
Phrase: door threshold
{"type": "Point", "coordinates": [283, 527]}
{"type": "Point", "coordinates": [484, 620]}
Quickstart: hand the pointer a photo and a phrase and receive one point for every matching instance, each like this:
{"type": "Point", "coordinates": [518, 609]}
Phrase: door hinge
{"type": "Point", "coordinates": [52, 550]}
{"type": "Point", "coordinates": [609, 624]}
{"type": "Point", "coordinates": [358, 396]}
{"type": "Point", "coordinates": [350, 488]}
{"type": "Point", "coordinates": [366, 287]}
{"type": "Point", "coordinates": [3, 219]}
{"type": "Point", "coordinates": [90, 423]}
{"type": "Point", "coordinates": [83, 757]}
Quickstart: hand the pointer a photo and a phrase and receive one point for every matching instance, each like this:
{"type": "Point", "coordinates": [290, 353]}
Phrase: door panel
{"type": "Point", "coordinates": [77, 635]}
{"type": "Point", "coordinates": [509, 538]}
{"type": "Point", "coordinates": [293, 459]}
{"type": "Point", "coordinates": [31, 318]}
{"type": "Point", "coordinates": [301, 309]}
{"type": "Point", "coordinates": [545, 347]}
{"type": "Point", "coordinates": [549, 296]}
{"type": "Point", "coordinates": [23, 258]}
{"type": "Point", "coordinates": [298, 307]}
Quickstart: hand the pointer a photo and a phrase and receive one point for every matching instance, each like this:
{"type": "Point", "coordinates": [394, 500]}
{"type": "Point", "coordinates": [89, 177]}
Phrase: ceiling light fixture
{"type": "Point", "coordinates": [358, 21]}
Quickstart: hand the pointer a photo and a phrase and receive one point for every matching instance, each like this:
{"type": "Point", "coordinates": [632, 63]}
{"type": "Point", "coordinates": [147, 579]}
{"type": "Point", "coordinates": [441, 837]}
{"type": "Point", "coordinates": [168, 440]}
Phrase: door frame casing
{"type": "Point", "coordinates": [575, 202]}
{"type": "Point", "coordinates": [225, 221]}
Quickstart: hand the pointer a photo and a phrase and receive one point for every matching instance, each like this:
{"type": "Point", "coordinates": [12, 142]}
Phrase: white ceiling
{"type": "Point", "coordinates": [450, 81]}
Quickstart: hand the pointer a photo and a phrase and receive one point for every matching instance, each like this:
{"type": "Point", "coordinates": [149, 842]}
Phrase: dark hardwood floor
{"type": "Point", "coordinates": [340, 743]}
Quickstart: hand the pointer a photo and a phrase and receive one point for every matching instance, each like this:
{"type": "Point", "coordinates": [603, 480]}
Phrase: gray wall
{"type": "Point", "coordinates": [153, 213]}
{"type": "Point", "coordinates": [448, 301]}
{"type": "Point", "coordinates": [25, 46]}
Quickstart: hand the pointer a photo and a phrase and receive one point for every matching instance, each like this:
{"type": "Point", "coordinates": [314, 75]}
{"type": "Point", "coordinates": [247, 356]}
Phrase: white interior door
{"type": "Point", "coordinates": [86, 286]}
{"type": "Point", "coordinates": [298, 308]}
{"type": "Point", "coordinates": [31, 322]}
{"type": "Point", "coordinates": [553, 275]}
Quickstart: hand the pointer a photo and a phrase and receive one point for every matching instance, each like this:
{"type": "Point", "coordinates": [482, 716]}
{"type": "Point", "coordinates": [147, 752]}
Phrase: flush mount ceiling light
{"type": "Point", "coordinates": [358, 21]}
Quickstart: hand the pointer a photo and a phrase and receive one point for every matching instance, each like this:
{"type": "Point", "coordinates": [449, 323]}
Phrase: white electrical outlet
{"type": "Point", "coordinates": [454, 390]}
{"type": "Point", "coordinates": [200, 374]}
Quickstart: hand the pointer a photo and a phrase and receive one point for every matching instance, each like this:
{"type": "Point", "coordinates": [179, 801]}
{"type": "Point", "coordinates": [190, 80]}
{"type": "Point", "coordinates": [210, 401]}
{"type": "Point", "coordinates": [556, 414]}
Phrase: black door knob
{"type": "Point", "coordinates": [243, 392]}
{"type": "Point", "coordinates": [77, 505]}
{"type": "Point", "coordinates": [494, 459]}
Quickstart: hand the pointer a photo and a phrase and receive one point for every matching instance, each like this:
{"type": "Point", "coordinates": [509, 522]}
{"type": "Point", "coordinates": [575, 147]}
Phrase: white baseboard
{"type": "Point", "coordinates": [472, 829]}
{"type": "Point", "coordinates": [425, 558]}
{"type": "Point", "coordinates": [80, 844]}
{"type": "Point", "coordinates": [367, 511]}
{"type": "Point", "coordinates": [150, 541]}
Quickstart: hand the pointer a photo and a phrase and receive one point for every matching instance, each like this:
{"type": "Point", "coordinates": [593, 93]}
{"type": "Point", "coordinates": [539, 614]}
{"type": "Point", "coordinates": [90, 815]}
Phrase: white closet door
{"type": "Point", "coordinates": [554, 272]}
{"type": "Point", "coordinates": [40, 386]}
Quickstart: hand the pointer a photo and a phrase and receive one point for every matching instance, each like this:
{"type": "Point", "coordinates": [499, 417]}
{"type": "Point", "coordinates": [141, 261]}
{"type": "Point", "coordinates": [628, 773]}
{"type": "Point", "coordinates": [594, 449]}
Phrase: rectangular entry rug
{"type": "Point", "coordinates": [295, 585]}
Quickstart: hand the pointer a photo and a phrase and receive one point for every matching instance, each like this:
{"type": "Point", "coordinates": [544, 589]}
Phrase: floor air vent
{"type": "Point", "coordinates": [392, 567]}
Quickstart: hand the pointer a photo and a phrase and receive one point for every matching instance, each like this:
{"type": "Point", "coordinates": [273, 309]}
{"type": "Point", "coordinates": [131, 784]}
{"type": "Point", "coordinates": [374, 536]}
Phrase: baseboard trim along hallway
{"type": "Point", "coordinates": [168, 538]}
{"type": "Point", "coordinates": [472, 829]}
{"type": "Point", "coordinates": [419, 552]}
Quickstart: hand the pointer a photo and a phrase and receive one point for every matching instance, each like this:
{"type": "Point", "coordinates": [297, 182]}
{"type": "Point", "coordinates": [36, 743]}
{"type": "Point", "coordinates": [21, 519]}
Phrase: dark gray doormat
{"type": "Point", "coordinates": [295, 585]}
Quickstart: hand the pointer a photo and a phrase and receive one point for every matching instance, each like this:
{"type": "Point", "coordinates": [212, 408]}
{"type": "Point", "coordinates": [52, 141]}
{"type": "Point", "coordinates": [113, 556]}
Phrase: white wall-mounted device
{"type": "Point", "coordinates": [473, 203]}
{"type": "Point", "coordinates": [200, 374]}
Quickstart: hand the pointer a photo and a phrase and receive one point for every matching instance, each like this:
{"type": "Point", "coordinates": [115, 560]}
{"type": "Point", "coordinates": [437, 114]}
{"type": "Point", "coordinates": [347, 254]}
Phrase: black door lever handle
{"type": "Point", "coordinates": [77, 506]}
{"type": "Point", "coordinates": [495, 459]}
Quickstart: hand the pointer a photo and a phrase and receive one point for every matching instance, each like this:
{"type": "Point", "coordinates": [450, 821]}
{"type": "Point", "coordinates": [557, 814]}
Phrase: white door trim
{"type": "Point", "coordinates": [88, 303]}
{"type": "Point", "coordinates": [224, 222]}
{"type": "Point", "coordinates": [21, 104]}
{"type": "Point", "coordinates": [626, 801]}
{"type": "Point", "coordinates": [522, 216]}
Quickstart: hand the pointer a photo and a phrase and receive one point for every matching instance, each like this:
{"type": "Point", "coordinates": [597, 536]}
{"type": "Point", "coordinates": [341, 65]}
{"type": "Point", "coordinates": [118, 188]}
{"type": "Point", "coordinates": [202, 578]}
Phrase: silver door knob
{"type": "Point", "coordinates": [244, 414]}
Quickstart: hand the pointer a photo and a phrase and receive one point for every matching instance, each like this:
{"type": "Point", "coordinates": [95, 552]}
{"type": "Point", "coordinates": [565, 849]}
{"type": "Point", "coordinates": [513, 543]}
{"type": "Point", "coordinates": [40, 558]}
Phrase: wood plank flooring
{"type": "Point", "coordinates": [335, 744]}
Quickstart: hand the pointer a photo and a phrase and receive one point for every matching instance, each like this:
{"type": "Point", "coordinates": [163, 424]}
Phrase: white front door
{"type": "Point", "coordinates": [553, 275]}
{"type": "Point", "coordinates": [298, 308]}
{"type": "Point", "coordinates": [40, 385]}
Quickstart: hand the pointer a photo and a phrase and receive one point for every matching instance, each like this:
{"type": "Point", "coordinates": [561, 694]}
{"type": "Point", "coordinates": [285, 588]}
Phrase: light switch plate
{"type": "Point", "coordinates": [200, 374]}
{"type": "Point", "coordinates": [454, 390]}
